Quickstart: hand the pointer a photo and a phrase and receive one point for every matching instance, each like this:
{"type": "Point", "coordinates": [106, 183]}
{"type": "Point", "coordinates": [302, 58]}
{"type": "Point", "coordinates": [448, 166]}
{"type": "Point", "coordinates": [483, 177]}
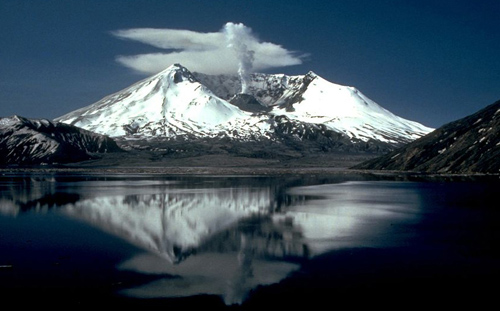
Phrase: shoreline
{"type": "Point", "coordinates": [253, 171]}
{"type": "Point", "coordinates": [186, 170]}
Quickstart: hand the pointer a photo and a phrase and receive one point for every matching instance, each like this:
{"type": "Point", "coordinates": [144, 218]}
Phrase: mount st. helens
{"type": "Point", "coordinates": [300, 111]}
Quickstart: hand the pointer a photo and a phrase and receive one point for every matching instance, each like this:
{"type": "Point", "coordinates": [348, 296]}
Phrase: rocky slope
{"type": "Point", "coordinates": [40, 141]}
{"type": "Point", "coordinates": [468, 145]}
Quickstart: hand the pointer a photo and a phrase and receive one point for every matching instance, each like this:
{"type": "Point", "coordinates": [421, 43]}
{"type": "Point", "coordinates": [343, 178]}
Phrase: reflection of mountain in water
{"type": "Point", "coordinates": [224, 240]}
{"type": "Point", "coordinates": [168, 218]}
{"type": "Point", "coordinates": [175, 223]}
{"type": "Point", "coordinates": [18, 194]}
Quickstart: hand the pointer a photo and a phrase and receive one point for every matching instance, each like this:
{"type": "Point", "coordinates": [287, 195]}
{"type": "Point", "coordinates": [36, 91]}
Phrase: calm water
{"type": "Point", "coordinates": [247, 242]}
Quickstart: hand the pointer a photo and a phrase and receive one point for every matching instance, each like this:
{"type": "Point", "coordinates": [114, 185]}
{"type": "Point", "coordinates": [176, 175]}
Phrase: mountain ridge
{"type": "Point", "coordinates": [176, 104]}
{"type": "Point", "coordinates": [26, 141]}
{"type": "Point", "coordinates": [468, 145]}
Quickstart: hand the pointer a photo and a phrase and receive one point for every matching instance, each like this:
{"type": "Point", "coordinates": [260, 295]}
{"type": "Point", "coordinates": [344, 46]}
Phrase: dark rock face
{"type": "Point", "coordinates": [319, 138]}
{"type": "Point", "coordinates": [468, 145]}
{"type": "Point", "coordinates": [39, 141]}
{"type": "Point", "coordinates": [269, 90]}
{"type": "Point", "coordinates": [248, 103]}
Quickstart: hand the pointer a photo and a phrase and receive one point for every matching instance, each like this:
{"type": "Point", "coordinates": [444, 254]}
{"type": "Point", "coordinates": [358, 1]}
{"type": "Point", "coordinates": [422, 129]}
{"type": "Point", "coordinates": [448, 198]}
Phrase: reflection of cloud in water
{"type": "Point", "coordinates": [330, 217]}
{"type": "Point", "coordinates": [207, 241]}
{"type": "Point", "coordinates": [223, 274]}
{"type": "Point", "coordinates": [226, 241]}
{"type": "Point", "coordinates": [353, 214]}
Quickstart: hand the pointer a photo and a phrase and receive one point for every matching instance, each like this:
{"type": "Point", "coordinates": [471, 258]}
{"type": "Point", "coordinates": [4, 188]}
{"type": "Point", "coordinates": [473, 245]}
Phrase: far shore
{"type": "Point", "coordinates": [340, 172]}
{"type": "Point", "coordinates": [226, 165]}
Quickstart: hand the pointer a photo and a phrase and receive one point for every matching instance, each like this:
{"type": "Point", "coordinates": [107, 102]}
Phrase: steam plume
{"type": "Point", "coordinates": [238, 36]}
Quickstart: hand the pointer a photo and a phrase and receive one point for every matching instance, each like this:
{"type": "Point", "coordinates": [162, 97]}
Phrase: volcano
{"type": "Point", "coordinates": [177, 104]}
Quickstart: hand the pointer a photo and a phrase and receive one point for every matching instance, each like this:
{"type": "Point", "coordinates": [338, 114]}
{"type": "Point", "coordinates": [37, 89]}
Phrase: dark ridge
{"type": "Point", "coordinates": [468, 145]}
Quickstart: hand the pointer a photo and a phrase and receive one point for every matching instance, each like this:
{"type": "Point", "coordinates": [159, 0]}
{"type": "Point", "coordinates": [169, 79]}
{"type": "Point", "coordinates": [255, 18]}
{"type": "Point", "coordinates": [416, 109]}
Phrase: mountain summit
{"type": "Point", "coordinates": [176, 104]}
{"type": "Point", "coordinates": [167, 104]}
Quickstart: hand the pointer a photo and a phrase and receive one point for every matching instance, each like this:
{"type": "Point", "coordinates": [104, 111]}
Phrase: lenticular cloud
{"type": "Point", "coordinates": [233, 49]}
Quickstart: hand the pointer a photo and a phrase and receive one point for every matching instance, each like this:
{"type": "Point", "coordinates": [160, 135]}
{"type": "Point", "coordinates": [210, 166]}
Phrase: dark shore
{"type": "Point", "coordinates": [150, 163]}
{"type": "Point", "coordinates": [210, 164]}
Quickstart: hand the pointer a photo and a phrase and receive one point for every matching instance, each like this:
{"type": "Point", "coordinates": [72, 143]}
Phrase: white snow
{"type": "Point", "coordinates": [173, 103]}
{"type": "Point", "coordinates": [7, 122]}
{"type": "Point", "coordinates": [160, 102]}
{"type": "Point", "coordinates": [349, 111]}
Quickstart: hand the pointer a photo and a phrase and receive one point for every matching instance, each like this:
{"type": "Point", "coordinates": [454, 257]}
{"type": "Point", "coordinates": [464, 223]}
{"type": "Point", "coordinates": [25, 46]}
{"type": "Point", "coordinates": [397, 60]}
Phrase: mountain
{"type": "Point", "coordinates": [313, 100]}
{"type": "Point", "coordinates": [177, 105]}
{"type": "Point", "coordinates": [40, 141]}
{"type": "Point", "coordinates": [168, 104]}
{"type": "Point", "coordinates": [468, 145]}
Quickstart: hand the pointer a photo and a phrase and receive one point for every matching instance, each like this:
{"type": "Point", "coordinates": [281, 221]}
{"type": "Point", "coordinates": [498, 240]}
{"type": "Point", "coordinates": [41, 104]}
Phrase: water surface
{"type": "Point", "coordinates": [245, 241]}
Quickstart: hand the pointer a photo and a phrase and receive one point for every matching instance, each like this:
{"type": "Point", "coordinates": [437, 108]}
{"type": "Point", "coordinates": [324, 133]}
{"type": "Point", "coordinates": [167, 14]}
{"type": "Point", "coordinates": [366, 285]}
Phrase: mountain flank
{"type": "Point", "coordinates": [26, 141]}
{"type": "Point", "coordinates": [466, 146]}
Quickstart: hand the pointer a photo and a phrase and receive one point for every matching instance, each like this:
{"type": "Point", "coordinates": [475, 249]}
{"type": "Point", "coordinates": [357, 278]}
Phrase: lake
{"type": "Point", "coordinates": [248, 242]}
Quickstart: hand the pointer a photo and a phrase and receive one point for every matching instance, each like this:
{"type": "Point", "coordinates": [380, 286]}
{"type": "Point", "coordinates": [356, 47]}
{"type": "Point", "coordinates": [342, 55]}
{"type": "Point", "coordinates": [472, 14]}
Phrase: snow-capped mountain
{"type": "Point", "coordinates": [176, 103]}
{"type": "Point", "coordinates": [168, 104]}
{"type": "Point", "coordinates": [314, 100]}
{"type": "Point", "coordinates": [37, 141]}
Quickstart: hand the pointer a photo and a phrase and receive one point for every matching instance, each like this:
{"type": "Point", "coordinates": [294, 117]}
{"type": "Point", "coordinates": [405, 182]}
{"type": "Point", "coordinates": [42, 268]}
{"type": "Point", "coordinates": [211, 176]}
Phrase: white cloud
{"type": "Point", "coordinates": [173, 38]}
{"type": "Point", "coordinates": [202, 52]}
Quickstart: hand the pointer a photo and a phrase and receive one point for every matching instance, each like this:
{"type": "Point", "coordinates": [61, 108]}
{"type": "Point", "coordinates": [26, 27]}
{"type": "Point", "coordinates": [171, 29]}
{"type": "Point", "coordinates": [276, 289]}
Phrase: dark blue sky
{"type": "Point", "coordinates": [428, 61]}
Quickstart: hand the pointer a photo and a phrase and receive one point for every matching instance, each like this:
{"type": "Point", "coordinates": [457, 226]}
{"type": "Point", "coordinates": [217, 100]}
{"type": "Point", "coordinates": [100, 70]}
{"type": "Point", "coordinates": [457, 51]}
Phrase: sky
{"type": "Point", "coordinates": [430, 61]}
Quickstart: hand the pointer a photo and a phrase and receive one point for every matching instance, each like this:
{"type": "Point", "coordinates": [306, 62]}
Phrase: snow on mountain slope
{"type": "Point", "coordinates": [37, 141]}
{"type": "Point", "coordinates": [169, 103]}
{"type": "Point", "coordinates": [347, 110]}
{"type": "Point", "coordinates": [176, 103]}
{"type": "Point", "coordinates": [312, 99]}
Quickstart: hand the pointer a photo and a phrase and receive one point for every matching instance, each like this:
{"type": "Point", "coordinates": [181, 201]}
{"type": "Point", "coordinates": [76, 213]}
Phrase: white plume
{"type": "Point", "coordinates": [238, 38]}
